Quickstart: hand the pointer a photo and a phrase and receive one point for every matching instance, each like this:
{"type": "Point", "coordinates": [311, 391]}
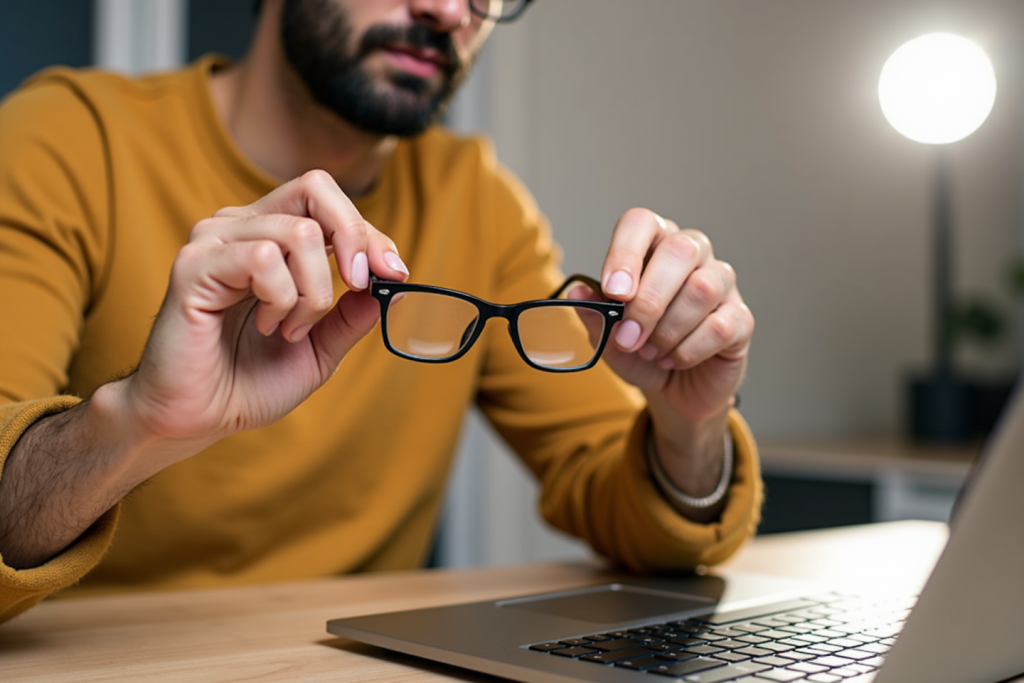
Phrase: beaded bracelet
{"type": "Point", "coordinates": [681, 501]}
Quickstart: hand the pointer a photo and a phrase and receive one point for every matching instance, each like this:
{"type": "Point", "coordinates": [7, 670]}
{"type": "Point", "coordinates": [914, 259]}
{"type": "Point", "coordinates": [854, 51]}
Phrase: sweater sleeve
{"type": "Point", "coordinates": [53, 242]}
{"type": "Point", "coordinates": [582, 434]}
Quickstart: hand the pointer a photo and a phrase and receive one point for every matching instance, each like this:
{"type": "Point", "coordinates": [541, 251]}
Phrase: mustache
{"type": "Point", "coordinates": [416, 35]}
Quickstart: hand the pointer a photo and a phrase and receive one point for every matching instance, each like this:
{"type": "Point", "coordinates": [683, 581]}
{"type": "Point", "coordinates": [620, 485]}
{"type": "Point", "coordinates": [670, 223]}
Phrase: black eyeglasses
{"type": "Point", "coordinates": [499, 10]}
{"type": "Point", "coordinates": [437, 325]}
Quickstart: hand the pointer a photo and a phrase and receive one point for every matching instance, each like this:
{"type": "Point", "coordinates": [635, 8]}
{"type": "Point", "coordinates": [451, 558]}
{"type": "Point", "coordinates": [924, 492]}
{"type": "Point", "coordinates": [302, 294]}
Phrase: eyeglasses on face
{"type": "Point", "coordinates": [499, 10]}
{"type": "Point", "coordinates": [437, 325]}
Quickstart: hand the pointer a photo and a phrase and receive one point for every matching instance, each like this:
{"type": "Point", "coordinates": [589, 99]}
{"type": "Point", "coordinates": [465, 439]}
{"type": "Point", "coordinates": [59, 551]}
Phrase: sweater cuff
{"type": "Point", "coordinates": [683, 542]}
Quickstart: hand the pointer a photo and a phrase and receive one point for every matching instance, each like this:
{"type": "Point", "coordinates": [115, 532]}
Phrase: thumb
{"type": "Point", "coordinates": [355, 314]}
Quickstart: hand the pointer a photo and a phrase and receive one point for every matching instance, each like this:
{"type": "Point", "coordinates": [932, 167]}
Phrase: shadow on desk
{"type": "Point", "coordinates": [415, 664]}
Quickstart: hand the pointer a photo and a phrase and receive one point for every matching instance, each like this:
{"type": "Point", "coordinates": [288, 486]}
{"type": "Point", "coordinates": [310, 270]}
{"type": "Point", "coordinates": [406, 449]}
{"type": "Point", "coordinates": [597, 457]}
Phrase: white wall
{"type": "Point", "coordinates": [757, 121]}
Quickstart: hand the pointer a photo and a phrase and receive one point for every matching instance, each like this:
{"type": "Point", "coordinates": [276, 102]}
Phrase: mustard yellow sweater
{"type": "Point", "coordinates": [101, 180]}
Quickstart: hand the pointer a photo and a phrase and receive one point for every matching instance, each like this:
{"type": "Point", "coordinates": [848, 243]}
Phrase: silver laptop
{"type": "Point", "coordinates": [966, 625]}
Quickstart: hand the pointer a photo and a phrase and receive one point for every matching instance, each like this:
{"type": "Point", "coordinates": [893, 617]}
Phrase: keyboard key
{"type": "Point", "coordinates": [546, 647]}
{"type": "Point", "coordinates": [773, 661]}
{"type": "Point", "coordinates": [618, 655]}
{"type": "Point", "coordinates": [845, 672]}
{"type": "Point", "coordinates": [782, 675]}
{"type": "Point", "coordinates": [754, 651]}
{"type": "Point", "coordinates": [687, 642]}
{"type": "Point", "coordinates": [704, 650]}
{"type": "Point", "coordinates": [641, 664]}
{"type": "Point", "coordinates": [617, 644]}
{"type": "Point", "coordinates": [677, 656]}
{"type": "Point", "coordinates": [691, 666]}
{"type": "Point", "coordinates": [727, 673]}
{"type": "Point", "coordinates": [730, 644]}
{"type": "Point", "coordinates": [573, 651]}
{"type": "Point", "coordinates": [824, 678]}
{"type": "Point", "coordinates": [575, 641]}
{"type": "Point", "coordinates": [732, 656]}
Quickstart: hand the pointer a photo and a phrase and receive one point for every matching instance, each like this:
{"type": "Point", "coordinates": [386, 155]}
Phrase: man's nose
{"type": "Point", "coordinates": [443, 15]}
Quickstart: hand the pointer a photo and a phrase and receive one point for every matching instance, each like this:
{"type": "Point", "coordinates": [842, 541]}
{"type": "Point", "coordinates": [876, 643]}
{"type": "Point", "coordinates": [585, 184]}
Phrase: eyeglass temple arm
{"type": "Point", "coordinates": [583, 279]}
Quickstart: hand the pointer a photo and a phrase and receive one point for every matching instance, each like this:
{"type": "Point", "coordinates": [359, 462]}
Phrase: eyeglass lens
{"type": "Point", "coordinates": [436, 327]}
{"type": "Point", "coordinates": [497, 9]}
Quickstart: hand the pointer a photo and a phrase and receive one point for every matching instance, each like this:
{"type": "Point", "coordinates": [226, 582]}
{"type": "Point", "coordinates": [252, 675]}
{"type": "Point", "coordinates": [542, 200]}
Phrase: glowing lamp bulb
{"type": "Point", "coordinates": [937, 89]}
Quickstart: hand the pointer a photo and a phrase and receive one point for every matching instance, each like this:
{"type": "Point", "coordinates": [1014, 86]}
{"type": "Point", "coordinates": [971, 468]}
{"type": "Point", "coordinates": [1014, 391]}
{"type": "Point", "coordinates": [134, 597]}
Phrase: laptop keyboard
{"type": "Point", "coordinates": [826, 639]}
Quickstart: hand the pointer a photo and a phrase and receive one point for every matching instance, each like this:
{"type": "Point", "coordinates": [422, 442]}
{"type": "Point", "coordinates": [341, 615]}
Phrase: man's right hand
{"type": "Point", "coordinates": [246, 332]}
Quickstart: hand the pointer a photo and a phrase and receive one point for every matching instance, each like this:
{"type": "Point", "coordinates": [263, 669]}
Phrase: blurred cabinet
{"type": "Point", "coordinates": [815, 484]}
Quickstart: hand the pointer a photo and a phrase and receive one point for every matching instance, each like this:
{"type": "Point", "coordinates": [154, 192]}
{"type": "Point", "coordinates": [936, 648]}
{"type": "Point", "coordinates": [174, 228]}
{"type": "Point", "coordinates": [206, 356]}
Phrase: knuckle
{"type": "Point", "coordinates": [229, 212]}
{"type": "Point", "coordinates": [205, 227]}
{"type": "Point", "coordinates": [188, 258]}
{"type": "Point", "coordinates": [264, 255]}
{"type": "Point", "coordinates": [704, 288]}
{"type": "Point", "coordinates": [748, 317]}
{"type": "Point", "coordinates": [722, 328]}
{"type": "Point", "coordinates": [681, 246]}
{"type": "Point", "coordinates": [320, 301]}
{"type": "Point", "coordinates": [663, 338]}
{"type": "Point", "coordinates": [304, 231]}
{"type": "Point", "coordinates": [316, 178]}
{"type": "Point", "coordinates": [646, 305]}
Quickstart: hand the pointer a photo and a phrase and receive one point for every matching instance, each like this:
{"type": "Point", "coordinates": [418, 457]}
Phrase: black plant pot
{"type": "Point", "coordinates": [947, 408]}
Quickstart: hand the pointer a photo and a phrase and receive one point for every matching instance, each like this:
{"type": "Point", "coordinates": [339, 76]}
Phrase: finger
{"type": "Point", "coordinates": [702, 292]}
{"type": "Point", "coordinates": [213, 277]}
{"type": "Point", "coordinates": [725, 333]}
{"type": "Point", "coordinates": [675, 258]}
{"type": "Point", "coordinates": [300, 244]}
{"type": "Point", "coordinates": [633, 238]}
{"type": "Point", "coordinates": [352, 318]}
{"type": "Point", "coordinates": [358, 246]}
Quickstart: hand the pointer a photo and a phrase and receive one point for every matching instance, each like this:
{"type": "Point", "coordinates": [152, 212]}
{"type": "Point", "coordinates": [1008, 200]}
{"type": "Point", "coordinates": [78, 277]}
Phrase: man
{"type": "Point", "coordinates": [266, 437]}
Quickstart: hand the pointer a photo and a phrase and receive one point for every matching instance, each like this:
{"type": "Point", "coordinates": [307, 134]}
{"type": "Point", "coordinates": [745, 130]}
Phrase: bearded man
{"type": "Point", "coordinates": [191, 266]}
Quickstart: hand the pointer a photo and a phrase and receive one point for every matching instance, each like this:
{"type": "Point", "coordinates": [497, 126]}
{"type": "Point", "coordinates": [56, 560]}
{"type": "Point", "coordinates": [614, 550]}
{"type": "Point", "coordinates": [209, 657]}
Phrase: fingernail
{"type": "Point", "coordinates": [394, 262]}
{"type": "Point", "coordinates": [619, 283]}
{"type": "Point", "coordinates": [272, 330]}
{"type": "Point", "coordinates": [648, 352]}
{"type": "Point", "coordinates": [667, 363]}
{"type": "Point", "coordinates": [360, 271]}
{"type": "Point", "coordinates": [299, 333]}
{"type": "Point", "coordinates": [628, 334]}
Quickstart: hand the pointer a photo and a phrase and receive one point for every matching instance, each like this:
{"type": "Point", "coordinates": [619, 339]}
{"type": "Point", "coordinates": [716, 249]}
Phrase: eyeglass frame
{"type": "Point", "coordinates": [499, 19]}
{"type": "Point", "coordinates": [611, 311]}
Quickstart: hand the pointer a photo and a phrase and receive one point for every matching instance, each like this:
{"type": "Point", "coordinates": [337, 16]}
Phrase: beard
{"type": "Point", "coordinates": [316, 37]}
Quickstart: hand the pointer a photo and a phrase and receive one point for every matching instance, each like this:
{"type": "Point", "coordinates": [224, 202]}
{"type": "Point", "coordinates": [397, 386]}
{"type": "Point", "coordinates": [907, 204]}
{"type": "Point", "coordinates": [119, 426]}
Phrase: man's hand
{"type": "Point", "coordinates": [684, 339]}
{"type": "Point", "coordinates": [246, 332]}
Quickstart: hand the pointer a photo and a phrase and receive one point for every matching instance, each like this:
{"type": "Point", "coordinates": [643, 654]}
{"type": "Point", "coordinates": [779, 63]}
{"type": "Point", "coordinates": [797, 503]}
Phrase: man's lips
{"type": "Point", "coordinates": [421, 62]}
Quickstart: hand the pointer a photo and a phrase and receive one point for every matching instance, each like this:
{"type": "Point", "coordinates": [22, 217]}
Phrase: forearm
{"type": "Point", "coordinates": [65, 472]}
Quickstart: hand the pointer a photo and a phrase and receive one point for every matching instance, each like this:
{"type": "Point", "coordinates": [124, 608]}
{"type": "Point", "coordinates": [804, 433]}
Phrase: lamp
{"type": "Point", "coordinates": [936, 90]}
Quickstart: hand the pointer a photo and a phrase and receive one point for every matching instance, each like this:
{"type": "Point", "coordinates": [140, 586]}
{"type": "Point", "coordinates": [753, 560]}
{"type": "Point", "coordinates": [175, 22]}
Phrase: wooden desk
{"type": "Point", "coordinates": [277, 632]}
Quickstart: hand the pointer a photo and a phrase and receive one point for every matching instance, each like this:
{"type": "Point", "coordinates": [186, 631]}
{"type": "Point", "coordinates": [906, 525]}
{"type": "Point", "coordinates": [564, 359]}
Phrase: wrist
{"type": "Point", "coordinates": [132, 449]}
{"type": "Point", "coordinates": [694, 506]}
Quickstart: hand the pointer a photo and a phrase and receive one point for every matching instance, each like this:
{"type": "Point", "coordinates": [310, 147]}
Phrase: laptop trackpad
{"type": "Point", "coordinates": [609, 604]}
